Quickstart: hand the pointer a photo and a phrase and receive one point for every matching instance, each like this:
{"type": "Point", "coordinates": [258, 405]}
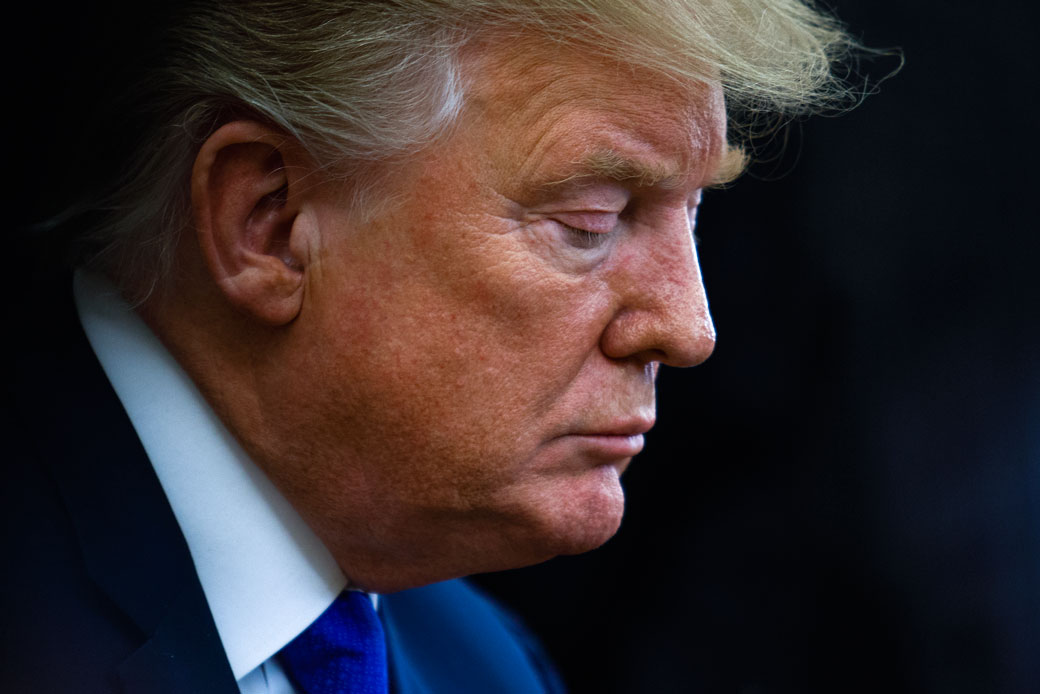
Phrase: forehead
{"type": "Point", "coordinates": [550, 110]}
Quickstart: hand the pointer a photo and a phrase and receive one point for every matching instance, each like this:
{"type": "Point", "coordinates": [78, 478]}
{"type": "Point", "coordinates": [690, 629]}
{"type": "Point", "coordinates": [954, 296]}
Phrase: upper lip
{"type": "Point", "coordinates": [627, 427]}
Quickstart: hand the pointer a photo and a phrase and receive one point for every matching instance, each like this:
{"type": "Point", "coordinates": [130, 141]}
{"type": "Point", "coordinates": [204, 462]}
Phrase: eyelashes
{"type": "Point", "coordinates": [586, 230]}
{"type": "Point", "coordinates": [583, 238]}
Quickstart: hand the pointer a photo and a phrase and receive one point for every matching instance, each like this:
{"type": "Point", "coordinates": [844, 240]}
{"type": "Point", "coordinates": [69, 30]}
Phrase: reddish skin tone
{"type": "Point", "coordinates": [456, 385]}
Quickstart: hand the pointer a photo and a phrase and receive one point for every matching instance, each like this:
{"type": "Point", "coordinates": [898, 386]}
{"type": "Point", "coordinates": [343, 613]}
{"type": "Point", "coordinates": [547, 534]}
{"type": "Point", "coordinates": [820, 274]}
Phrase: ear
{"type": "Point", "coordinates": [250, 222]}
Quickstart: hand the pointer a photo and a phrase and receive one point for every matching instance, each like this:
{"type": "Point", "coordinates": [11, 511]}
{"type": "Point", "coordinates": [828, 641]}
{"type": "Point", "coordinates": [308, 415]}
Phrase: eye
{"type": "Point", "coordinates": [583, 238]}
{"type": "Point", "coordinates": [586, 230]}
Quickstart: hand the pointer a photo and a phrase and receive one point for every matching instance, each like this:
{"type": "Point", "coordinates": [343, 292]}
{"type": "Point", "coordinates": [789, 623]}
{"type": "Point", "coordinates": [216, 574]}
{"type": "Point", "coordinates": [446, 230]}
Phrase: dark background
{"type": "Point", "coordinates": [846, 497]}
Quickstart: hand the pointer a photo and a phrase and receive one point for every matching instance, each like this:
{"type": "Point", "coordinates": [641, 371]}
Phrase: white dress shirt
{"type": "Point", "coordinates": [266, 576]}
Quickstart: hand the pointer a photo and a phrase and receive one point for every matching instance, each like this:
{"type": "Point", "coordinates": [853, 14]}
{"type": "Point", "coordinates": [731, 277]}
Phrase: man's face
{"type": "Point", "coordinates": [474, 368]}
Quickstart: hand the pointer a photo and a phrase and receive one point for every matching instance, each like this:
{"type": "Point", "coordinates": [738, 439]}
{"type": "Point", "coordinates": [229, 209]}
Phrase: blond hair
{"type": "Point", "coordinates": [364, 81]}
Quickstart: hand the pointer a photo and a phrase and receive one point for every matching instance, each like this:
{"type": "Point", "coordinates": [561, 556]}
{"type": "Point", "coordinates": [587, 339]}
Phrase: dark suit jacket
{"type": "Point", "coordinates": [100, 593]}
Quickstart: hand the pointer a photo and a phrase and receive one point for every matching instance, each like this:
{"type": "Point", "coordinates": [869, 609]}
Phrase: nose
{"type": "Point", "coordinates": [662, 310]}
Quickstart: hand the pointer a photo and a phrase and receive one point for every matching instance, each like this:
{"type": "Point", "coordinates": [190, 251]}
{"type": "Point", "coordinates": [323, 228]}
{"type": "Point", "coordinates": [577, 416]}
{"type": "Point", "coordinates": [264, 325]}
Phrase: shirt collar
{"type": "Point", "coordinates": [265, 574]}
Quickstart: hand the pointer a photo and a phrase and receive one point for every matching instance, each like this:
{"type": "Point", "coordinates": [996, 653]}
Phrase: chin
{"type": "Point", "coordinates": [584, 514]}
{"type": "Point", "coordinates": [563, 516]}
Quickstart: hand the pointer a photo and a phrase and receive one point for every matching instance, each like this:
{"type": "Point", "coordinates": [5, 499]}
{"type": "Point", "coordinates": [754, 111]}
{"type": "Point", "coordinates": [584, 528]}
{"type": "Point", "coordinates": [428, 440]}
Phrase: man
{"type": "Point", "coordinates": [383, 298]}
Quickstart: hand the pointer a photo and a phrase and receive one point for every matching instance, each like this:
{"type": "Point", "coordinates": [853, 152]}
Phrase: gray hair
{"type": "Point", "coordinates": [359, 82]}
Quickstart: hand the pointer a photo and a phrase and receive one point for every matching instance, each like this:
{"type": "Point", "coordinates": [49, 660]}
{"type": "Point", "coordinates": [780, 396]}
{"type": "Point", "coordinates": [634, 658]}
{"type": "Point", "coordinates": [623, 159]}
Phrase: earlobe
{"type": "Point", "coordinates": [250, 219]}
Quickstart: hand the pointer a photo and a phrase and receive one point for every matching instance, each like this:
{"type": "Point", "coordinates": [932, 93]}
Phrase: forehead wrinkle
{"type": "Point", "coordinates": [615, 149]}
{"type": "Point", "coordinates": [549, 102]}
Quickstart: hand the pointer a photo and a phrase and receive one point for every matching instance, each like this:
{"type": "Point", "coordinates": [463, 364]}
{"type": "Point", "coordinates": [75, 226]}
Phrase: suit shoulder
{"type": "Point", "coordinates": [450, 637]}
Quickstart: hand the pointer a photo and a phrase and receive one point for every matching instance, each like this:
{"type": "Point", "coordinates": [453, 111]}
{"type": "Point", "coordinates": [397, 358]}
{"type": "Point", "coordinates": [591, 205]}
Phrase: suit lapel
{"type": "Point", "coordinates": [404, 678]}
{"type": "Point", "coordinates": [181, 657]}
{"type": "Point", "coordinates": [446, 637]}
{"type": "Point", "coordinates": [131, 543]}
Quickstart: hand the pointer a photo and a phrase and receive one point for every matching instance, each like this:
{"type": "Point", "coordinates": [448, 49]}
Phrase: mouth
{"type": "Point", "coordinates": [611, 447]}
{"type": "Point", "coordinates": [635, 426]}
{"type": "Point", "coordinates": [616, 440]}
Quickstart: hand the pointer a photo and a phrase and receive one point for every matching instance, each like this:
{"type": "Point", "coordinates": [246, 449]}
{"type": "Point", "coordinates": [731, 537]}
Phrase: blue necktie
{"type": "Point", "coordinates": [342, 652]}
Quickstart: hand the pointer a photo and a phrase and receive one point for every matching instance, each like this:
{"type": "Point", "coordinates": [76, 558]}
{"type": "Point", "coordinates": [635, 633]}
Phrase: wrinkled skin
{"type": "Point", "coordinates": [472, 368]}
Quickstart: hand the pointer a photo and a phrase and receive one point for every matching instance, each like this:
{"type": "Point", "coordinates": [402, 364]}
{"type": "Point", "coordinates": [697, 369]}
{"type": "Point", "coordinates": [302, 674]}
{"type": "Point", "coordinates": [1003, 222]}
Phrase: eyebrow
{"type": "Point", "coordinates": [731, 166]}
{"type": "Point", "coordinates": [612, 165]}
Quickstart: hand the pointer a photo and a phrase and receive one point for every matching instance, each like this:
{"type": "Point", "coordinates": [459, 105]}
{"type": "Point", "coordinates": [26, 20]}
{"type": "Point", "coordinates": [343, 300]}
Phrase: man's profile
{"type": "Point", "coordinates": [380, 304]}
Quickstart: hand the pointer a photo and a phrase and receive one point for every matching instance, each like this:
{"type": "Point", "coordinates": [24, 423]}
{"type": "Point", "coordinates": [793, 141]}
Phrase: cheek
{"type": "Point", "coordinates": [467, 376]}
{"type": "Point", "coordinates": [517, 342]}
{"type": "Point", "coordinates": [505, 303]}
{"type": "Point", "coordinates": [453, 352]}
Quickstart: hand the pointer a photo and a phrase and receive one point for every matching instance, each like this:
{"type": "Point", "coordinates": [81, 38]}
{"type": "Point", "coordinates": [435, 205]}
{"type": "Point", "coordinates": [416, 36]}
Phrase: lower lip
{"type": "Point", "coordinates": [612, 446]}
